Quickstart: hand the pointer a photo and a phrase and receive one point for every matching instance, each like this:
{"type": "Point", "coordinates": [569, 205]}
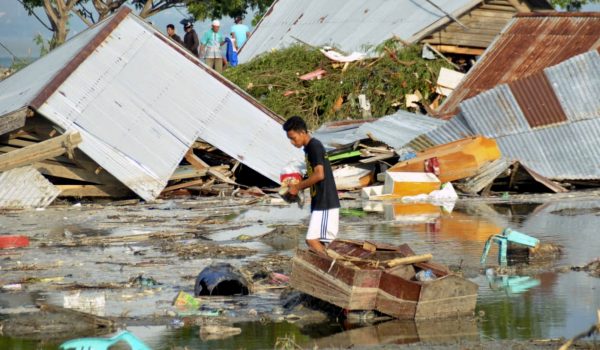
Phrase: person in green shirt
{"type": "Point", "coordinates": [210, 47]}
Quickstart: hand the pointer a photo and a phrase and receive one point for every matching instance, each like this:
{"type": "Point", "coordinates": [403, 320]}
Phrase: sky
{"type": "Point", "coordinates": [17, 28]}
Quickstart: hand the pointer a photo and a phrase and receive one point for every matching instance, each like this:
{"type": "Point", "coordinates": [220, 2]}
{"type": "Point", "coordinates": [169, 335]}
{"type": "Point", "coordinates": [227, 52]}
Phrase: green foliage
{"type": "Point", "coordinates": [203, 9]}
{"type": "Point", "coordinates": [273, 79]}
{"type": "Point", "coordinates": [572, 5]}
{"type": "Point", "coordinates": [44, 45]}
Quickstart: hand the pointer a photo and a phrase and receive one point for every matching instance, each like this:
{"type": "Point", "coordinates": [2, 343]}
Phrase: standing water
{"type": "Point", "coordinates": [549, 300]}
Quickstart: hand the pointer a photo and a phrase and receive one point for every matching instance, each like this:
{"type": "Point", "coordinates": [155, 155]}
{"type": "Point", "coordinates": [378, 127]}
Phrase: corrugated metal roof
{"type": "Point", "coordinates": [399, 129]}
{"type": "Point", "coordinates": [529, 43]}
{"type": "Point", "coordinates": [140, 101]}
{"type": "Point", "coordinates": [452, 130]}
{"type": "Point", "coordinates": [396, 130]}
{"type": "Point", "coordinates": [24, 188]}
{"type": "Point", "coordinates": [350, 25]}
{"type": "Point", "coordinates": [568, 149]}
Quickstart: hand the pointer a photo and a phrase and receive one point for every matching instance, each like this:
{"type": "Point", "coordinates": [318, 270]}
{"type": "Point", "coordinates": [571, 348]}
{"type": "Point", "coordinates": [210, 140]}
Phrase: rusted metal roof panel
{"type": "Point", "coordinates": [538, 102]}
{"type": "Point", "coordinates": [350, 25]}
{"type": "Point", "coordinates": [529, 43]}
{"type": "Point", "coordinates": [25, 188]}
{"type": "Point", "coordinates": [576, 84]}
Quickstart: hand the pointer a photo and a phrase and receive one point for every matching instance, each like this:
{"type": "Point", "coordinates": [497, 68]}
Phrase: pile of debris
{"type": "Point", "coordinates": [324, 86]}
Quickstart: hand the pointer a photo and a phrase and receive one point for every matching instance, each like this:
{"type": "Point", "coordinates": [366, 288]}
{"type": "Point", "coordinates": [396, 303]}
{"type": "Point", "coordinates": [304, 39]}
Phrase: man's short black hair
{"type": "Point", "coordinates": [295, 123]}
{"type": "Point", "coordinates": [170, 26]}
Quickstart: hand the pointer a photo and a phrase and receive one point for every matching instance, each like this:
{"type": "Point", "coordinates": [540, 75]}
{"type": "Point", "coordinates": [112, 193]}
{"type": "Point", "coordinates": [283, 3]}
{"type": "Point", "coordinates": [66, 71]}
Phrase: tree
{"type": "Point", "coordinates": [58, 14]}
{"type": "Point", "coordinates": [58, 10]}
{"type": "Point", "coordinates": [572, 5]}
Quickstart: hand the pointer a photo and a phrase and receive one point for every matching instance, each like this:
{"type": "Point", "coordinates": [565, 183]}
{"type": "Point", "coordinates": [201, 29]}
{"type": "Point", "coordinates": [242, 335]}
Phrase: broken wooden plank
{"type": "Point", "coordinates": [187, 172]}
{"type": "Point", "coordinates": [410, 260]}
{"type": "Point", "coordinates": [13, 121]}
{"type": "Point", "coordinates": [200, 164]}
{"type": "Point", "coordinates": [93, 191]}
{"type": "Point", "coordinates": [67, 171]}
{"type": "Point", "coordinates": [47, 149]}
{"type": "Point", "coordinates": [377, 158]}
{"type": "Point", "coordinates": [183, 185]}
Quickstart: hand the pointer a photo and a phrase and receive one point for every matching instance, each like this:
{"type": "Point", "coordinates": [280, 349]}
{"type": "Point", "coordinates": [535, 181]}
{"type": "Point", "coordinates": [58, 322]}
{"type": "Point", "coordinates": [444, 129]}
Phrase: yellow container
{"type": "Point", "coordinates": [400, 184]}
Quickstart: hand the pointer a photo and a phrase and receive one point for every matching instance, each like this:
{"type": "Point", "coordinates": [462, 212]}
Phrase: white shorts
{"type": "Point", "coordinates": [323, 225]}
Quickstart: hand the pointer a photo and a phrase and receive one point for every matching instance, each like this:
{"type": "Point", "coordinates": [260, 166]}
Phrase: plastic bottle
{"type": "Point", "coordinates": [425, 275]}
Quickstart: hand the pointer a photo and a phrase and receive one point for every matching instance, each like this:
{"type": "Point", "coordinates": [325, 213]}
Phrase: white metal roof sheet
{"type": "Point", "coordinates": [350, 25]}
{"type": "Point", "coordinates": [139, 103]}
{"type": "Point", "coordinates": [25, 188]}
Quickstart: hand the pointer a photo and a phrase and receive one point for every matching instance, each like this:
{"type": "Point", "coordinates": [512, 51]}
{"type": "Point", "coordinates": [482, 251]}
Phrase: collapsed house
{"type": "Point", "coordinates": [549, 120]}
{"type": "Point", "coordinates": [459, 26]}
{"type": "Point", "coordinates": [540, 111]}
{"type": "Point", "coordinates": [138, 103]}
{"type": "Point", "coordinates": [529, 43]}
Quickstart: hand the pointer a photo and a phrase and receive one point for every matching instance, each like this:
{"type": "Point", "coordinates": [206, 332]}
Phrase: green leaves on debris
{"type": "Point", "coordinates": [273, 79]}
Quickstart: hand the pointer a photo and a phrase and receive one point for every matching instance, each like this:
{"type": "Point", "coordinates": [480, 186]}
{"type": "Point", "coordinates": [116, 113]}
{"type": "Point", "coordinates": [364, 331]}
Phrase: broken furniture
{"type": "Point", "coordinates": [359, 275]}
{"type": "Point", "coordinates": [453, 161]}
{"type": "Point", "coordinates": [503, 239]}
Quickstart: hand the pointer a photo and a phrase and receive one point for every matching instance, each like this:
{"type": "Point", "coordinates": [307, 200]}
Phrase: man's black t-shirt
{"type": "Point", "coordinates": [323, 194]}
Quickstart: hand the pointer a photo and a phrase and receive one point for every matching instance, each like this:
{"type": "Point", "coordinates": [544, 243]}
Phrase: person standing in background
{"type": "Point", "coordinates": [171, 33]}
{"type": "Point", "coordinates": [190, 39]}
{"type": "Point", "coordinates": [240, 31]}
{"type": "Point", "coordinates": [210, 47]}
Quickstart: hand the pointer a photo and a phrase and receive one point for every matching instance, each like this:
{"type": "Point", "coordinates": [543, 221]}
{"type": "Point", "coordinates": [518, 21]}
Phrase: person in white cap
{"type": "Point", "coordinates": [210, 47]}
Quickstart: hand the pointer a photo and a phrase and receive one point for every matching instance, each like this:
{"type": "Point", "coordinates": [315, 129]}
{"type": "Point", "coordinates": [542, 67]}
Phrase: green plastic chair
{"type": "Point", "coordinates": [104, 343]}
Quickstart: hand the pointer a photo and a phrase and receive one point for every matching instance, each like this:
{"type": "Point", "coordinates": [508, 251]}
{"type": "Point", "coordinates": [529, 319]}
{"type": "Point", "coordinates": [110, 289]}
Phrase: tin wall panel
{"type": "Point", "coordinates": [537, 100]}
{"type": "Point", "coordinates": [577, 85]}
{"type": "Point", "coordinates": [454, 129]}
{"type": "Point", "coordinates": [494, 113]}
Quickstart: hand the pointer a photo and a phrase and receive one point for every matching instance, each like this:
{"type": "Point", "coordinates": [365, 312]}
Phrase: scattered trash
{"type": "Point", "coordinates": [350, 177]}
{"type": "Point", "coordinates": [105, 343]}
{"type": "Point", "coordinates": [447, 81]}
{"type": "Point", "coordinates": [9, 242]}
{"type": "Point", "coordinates": [425, 275]}
{"type": "Point", "coordinates": [13, 287]}
{"type": "Point", "coordinates": [338, 57]}
{"type": "Point", "coordinates": [593, 267]}
{"type": "Point", "coordinates": [317, 74]}
{"type": "Point", "coordinates": [185, 300]}
{"type": "Point", "coordinates": [91, 303]}
{"type": "Point", "coordinates": [221, 279]}
{"type": "Point", "coordinates": [142, 281]}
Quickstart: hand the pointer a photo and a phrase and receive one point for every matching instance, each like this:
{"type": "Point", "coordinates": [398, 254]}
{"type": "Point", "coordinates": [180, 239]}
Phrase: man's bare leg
{"type": "Point", "coordinates": [316, 246]}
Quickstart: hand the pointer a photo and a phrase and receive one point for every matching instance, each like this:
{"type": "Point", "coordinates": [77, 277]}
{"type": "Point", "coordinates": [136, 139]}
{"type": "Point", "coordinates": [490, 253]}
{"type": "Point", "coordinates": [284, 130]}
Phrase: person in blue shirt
{"type": "Point", "coordinates": [240, 31]}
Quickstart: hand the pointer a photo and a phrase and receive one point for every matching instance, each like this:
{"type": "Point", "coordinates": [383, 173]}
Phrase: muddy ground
{"type": "Point", "coordinates": [126, 262]}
